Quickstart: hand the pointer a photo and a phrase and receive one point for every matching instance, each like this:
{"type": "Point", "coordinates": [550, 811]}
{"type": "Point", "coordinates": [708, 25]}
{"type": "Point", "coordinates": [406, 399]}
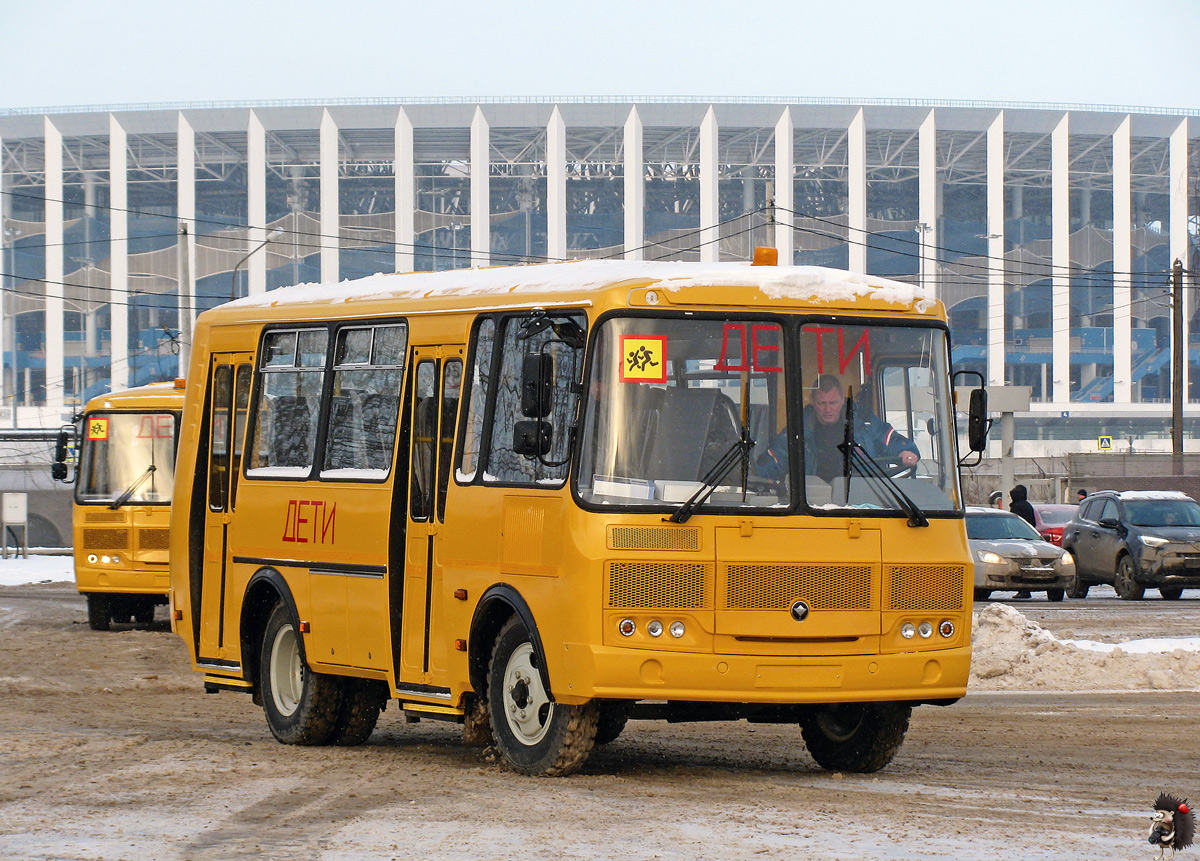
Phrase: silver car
{"type": "Point", "coordinates": [1010, 555]}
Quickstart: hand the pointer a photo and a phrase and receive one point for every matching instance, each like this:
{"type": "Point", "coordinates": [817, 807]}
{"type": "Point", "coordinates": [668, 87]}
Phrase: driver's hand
{"type": "Point", "coordinates": [909, 458]}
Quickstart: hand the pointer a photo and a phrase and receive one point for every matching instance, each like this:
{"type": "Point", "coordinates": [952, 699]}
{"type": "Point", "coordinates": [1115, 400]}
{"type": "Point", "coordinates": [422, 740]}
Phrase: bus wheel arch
{"type": "Point", "coordinates": [498, 604]}
{"type": "Point", "coordinates": [265, 589]}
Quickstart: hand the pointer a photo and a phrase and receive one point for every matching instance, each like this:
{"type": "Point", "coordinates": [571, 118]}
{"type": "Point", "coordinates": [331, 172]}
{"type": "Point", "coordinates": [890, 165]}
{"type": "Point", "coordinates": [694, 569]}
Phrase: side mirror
{"type": "Point", "coordinates": [532, 438]}
{"type": "Point", "coordinates": [977, 421]}
{"type": "Point", "coordinates": [537, 377]}
{"type": "Point", "coordinates": [1110, 523]}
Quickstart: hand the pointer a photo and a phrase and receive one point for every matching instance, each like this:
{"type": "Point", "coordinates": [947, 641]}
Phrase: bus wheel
{"type": "Point", "coordinates": [301, 705]}
{"type": "Point", "coordinates": [143, 611]}
{"type": "Point", "coordinates": [855, 737]}
{"type": "Point", "coordinates": [362, 700]}
{"type": "Point", "coordinates": [611, 723]}
{"type": "Point", "coordinates": [98, 612]}
{"type": "Point", "coordinates": [534, 734]}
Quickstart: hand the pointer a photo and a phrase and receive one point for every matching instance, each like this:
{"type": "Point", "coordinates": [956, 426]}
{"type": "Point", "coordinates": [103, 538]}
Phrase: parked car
{"type": "Point", "coordinates": [1050, 520]}
{"type": "Point", "coordinates": [1010, 555]}
{"type": "Point", "coordinates": [1135, 540]}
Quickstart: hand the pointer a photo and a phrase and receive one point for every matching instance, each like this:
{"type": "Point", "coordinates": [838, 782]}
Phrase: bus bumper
{"type": "Point", "coordinates": [636, 674]}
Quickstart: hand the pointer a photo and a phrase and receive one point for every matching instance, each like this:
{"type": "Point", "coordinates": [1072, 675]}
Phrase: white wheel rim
{"type": "Point", "coordinates": [287, 673]}
{"type": "Point", "coordinates": [527, 707]}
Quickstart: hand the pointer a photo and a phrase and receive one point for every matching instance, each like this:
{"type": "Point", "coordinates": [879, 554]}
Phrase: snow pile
{"type": "Point", "coordinates": [1010, 652]}
{"type": "Point", "coordinates": [16, 571]}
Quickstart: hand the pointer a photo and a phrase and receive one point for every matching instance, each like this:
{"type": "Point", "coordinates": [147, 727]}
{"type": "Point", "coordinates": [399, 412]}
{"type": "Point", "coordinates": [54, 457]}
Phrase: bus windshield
{"type": "Point", "coordinates": [768, 413]}
{"type": "Point", "coordinates": [127, 458]}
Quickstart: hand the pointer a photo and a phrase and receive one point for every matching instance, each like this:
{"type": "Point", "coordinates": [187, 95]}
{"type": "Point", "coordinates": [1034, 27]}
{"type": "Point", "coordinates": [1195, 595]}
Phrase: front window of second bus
{"type": "Point", "coordinates": [876, 418]}
{"type": "Point", "coordinates": [127, 459]}
{"type": "Point", "coordinates": [684, 405]}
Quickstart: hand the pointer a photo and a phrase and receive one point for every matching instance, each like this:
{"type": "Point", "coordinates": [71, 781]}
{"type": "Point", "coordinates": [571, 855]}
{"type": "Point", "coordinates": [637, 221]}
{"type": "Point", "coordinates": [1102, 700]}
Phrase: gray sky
{"type": "Point", "coordinates": [72, 52]}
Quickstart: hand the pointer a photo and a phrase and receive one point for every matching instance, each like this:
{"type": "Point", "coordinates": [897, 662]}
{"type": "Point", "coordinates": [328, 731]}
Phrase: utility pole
{"type": "Point", "coordinates": [1177, 354]}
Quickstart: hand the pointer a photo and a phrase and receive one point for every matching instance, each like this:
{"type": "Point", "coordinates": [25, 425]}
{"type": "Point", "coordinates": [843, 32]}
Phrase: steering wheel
{"type": "Point", "coordinates": [893, 468]}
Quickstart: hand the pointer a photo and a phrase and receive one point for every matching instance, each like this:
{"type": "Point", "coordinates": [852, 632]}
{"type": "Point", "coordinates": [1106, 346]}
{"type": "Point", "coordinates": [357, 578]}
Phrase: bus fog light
{"type": "Point", "coordinates": [626, 627]}
{"type": "Point", "coordinates": [925, 630]}
{"type": "Point", "coordinates": [91, 558]}
{"type": "Point", "coordinates": [654, 629]}
{"type": "Point", "coordinates": [908, 630]}
{"type": "Point", "coordinates": [946, 628]}
{"type": "Point", "coordinates": [677, 630]}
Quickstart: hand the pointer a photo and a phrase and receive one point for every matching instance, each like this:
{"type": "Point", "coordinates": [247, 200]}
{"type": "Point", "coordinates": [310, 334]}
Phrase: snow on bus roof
{"type": "Point", "coordinates": [811, 283]}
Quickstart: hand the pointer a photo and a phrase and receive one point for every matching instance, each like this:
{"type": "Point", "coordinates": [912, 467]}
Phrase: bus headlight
{"type": "Point", "coordinates": [654, 629]}
{"type": "Point", "coordinates": [908, 630]}
{"type": "Point", "coordinates": [91, 558]}
{"type": "Point", "coordinates": [677, 630]}
{"type": "Point", "coordinates": [925, 630]}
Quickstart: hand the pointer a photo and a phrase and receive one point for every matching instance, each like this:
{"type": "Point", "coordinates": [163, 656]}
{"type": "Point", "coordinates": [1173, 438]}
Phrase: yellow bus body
{"type": "Point", "coordinates": [421, 618]}
{"type": "Point", "coordinates": [121, 554]}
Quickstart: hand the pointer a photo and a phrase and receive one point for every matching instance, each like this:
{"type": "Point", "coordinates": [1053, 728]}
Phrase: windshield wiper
{"type": "Point", "coordinates": [124, 497]}
{"type": "Point", "coordinates": [736, 452]}
{"type": "Point", "coordinates": [870, 469]}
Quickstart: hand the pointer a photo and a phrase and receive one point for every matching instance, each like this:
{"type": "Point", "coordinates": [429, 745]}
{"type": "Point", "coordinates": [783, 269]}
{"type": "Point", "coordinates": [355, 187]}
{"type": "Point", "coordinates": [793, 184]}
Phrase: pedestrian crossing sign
{"type": "Point", "coordinates": [1104, 443]}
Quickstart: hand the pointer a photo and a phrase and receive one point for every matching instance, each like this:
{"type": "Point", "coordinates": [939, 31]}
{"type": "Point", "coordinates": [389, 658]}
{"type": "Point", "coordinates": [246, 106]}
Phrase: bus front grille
{"type": "Point", "coordinates": [105, 517]}
{"type": "Point", "coordinates": [665, 585]}
{"type": "Point", "coordinates": [776, 587]}
{"type": "Point", "coordinates": [653, 538]}
{"type": "Point", "coordinates": [154, 539]}
{"type": "Point", "coordinates": [105, 539]}
{"type": "Point", "coordinates": [926, 587]}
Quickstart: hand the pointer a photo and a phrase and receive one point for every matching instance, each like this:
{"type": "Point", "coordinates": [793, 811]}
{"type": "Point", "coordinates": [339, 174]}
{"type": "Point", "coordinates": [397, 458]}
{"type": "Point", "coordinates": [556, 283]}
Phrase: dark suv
{"type": "Point", "coordinates": [1135, 539]}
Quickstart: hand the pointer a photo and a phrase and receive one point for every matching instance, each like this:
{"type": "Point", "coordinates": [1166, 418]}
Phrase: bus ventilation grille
{"type": "Point", "coordinates": [105, 539]}
{"type": "Point", "coordinates": [104, 517]}
{"type": "Point", "coordinates": [776, 587]}
{"type": "Point", "coordinates": [927, 587]}
{"type": "Point", "coordinates": [658, 585]}
{"type": "Point", "coordinates": [653, 538]}
{"type": "Point", "coordinates": [154, 539]}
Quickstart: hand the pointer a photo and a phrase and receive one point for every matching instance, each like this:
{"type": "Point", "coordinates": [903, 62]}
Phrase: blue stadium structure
{"type": "Point", "coordinates": [1049, 230]}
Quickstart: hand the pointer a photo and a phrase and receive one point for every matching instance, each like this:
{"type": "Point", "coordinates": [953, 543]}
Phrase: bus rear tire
{"type": "Point", "coordinates": [143, 611]}
{"type": "Point", "coordinates": [855, 737]}
{"type": "Point", "coordinates": [301, 706]}
{"type": "Point", "coordinates": [362, 700]}
{"type": "Point", "coordinates": [99, 618]}
{"type": "Point", "coordinates": [611, 723]}
{"type": "Point", "coordinates": [534, 734]}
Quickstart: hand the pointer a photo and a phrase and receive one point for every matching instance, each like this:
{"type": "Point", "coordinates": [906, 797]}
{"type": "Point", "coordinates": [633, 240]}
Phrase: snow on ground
{"type": "Point", "coordinates": [1011, 652]}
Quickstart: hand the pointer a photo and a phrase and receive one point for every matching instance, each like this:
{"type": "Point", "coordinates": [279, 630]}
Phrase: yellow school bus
{"type": "Point", "coordinates": [544, 500]}
{"type": "Point", "coordinates": [122, 506]}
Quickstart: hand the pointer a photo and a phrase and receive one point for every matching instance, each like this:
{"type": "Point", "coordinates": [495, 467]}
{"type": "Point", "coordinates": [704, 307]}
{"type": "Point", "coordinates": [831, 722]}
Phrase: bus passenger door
{"type": "Point", "coordinates": [437, 381]}
{"type": "Point", "coordinates": [229, 387]}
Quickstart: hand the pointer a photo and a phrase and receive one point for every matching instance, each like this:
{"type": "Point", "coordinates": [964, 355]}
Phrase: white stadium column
{"type": "Point", "coordinates": [1060, 257]}
{"type": "Point", "coordinates": [856, 193]}
{"type": "Point", "coordinates": [785, 196]}
{"type": "Point", "coordinates": [406, 203]}
{"type": "Point", "coordinates": [53, 285]}
{"type": "Point", "coordinates": [1123, 262]}
{"type": "Point", "coordinates": [635, 189]}
{"type": "Point", "coordinates": [1178, 241]}
{"type": "Point", "coordinates": [995, 251]}
{"type": "Point", "coordinates": [331, 218]}
{"type": "Point", "coordinates": [556, 187]}
{"type": "Point", "coordinates": [709, 209]}
{"type": "Point", "coordinates": [927, 204]}
{"type": "Point", "coordinates": [118, 282]}
{"type": "Point", "coordinates": [256, 203]}
{"type": "Point", "coordinates": [481, 206]}
{"type": "Point", "coordinates": [186, 159]}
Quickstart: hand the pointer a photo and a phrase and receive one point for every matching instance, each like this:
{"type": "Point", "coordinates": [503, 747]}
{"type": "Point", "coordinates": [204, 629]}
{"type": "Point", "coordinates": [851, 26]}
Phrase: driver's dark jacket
{"type": "Point", "coordinates": [873, 435]}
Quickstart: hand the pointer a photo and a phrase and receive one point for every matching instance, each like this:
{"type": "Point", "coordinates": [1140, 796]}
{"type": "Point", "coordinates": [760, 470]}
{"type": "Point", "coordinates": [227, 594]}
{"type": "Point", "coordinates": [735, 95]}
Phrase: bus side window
{"type": "Point", "coordinates": [451, 392]}
{"type": "Point", "coordinates": [504, 464]}
{"type": "Point", "coordinates": [424, 427]}
{"type": "Point", "coordinates": [218, 464]}
{"type": "Point", "coordinates": [292, 375]}
{"type": "Point", "coordinates": [478, 389]}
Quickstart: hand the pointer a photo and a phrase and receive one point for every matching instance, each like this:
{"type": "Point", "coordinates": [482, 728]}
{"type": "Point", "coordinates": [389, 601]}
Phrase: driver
{"type": "Point", "coordinates": [824, 423]}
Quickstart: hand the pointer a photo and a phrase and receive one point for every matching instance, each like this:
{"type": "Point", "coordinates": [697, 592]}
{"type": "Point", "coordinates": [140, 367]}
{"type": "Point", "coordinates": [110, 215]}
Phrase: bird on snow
{"type": "Point", "coordinates": [1172, 826]}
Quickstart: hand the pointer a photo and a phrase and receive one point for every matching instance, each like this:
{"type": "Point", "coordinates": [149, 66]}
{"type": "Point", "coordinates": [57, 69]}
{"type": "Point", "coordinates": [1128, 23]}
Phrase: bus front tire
{"type": "Point", "coordinates": [301, 706]}
{"type": "Point", "coordinates": [143, 611]}
{"type": "Point", "coordinates": [855, 737]}
{"type": "Point", "coordinates": [99, 618]}
{"type": "Point", "coordinates": [362, 700]}
{"type": "Point", "coordinates": [534, 734]}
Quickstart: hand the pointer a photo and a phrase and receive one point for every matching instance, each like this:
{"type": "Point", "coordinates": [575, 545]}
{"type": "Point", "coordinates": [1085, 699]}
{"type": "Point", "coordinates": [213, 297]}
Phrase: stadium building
{"type": "Point", "coordinates": [1048, 230]}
